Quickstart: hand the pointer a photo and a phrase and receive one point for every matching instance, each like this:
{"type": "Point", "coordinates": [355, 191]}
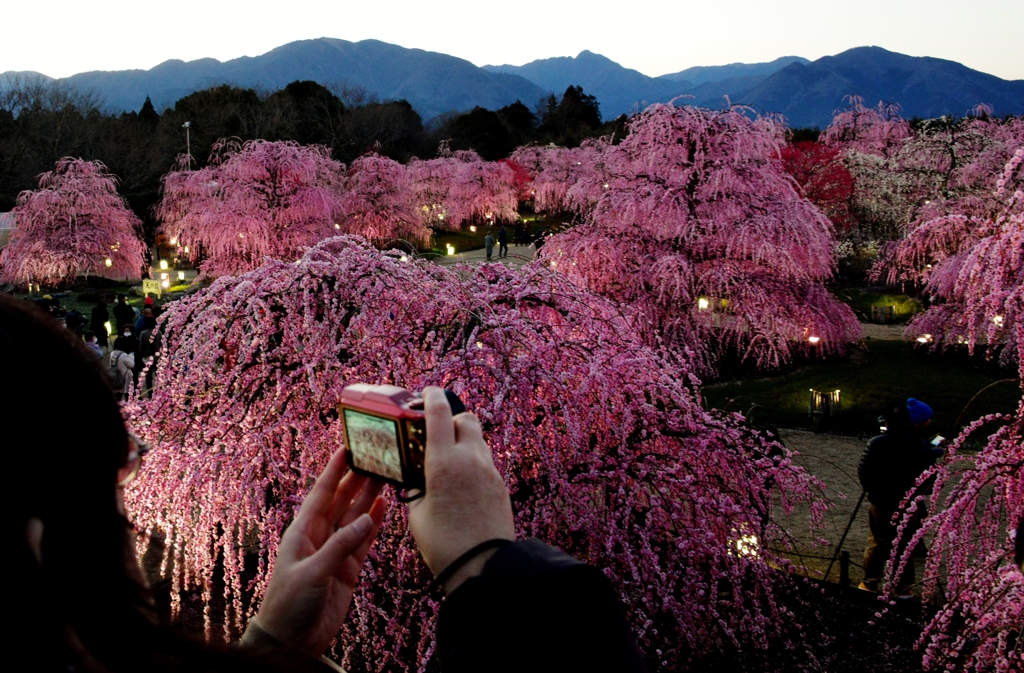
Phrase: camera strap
{"type": "Point", "coordinates": [404, 496]}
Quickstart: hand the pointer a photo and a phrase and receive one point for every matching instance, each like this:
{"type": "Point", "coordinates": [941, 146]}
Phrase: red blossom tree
{"type": "Point", "coordinates": [977, 500]}
{"type": "Point", "coordinates": [608, 453]}
{"type": "Point", "coordinates": [701, 234]}
{"type": "Point", "coordinates": [257, 200]}
{"type": "Point", "coordinates": [74, 225]}
{"type": "Point", "coordinates": [823, 179]}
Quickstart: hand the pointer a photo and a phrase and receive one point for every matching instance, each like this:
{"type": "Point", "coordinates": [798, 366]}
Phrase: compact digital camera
{"type": "Point", "coordinates": [385, 432]}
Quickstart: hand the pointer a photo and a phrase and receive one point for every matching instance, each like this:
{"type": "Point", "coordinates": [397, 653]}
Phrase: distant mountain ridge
{"type": "Point", "coordinates": [619, 90]}
{"type": "Point", "coordinates": [701, 74]}
{"type": "Point", "coordinates": [806, 92]}
{"type": "Point", "coordinates": [433, 83]}
{"type": "Point", "coordinates": [924, 86]}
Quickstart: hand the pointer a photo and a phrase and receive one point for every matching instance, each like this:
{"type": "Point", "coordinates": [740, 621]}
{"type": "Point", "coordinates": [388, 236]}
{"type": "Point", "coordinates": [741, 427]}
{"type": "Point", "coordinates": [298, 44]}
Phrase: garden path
{"type": "Point", "coordinates": [834, 460]}
{"type": "Point", "coordinates": [518, 255]}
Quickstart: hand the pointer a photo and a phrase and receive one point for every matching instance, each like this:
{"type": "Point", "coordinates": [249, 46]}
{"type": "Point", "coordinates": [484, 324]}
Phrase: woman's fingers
{"type": "Point", "coordinates": [351, 485]}
{"type": "Point", "coordinates": [321, 496]}
{"type": "Point", "coordinates": [363, 501]}
{"type": "Point", "coordinates": [440, 430]}
{"type": "Point", "coordinates": [342, 545]}
{"type": "Point", "coordinates": [468, 432]}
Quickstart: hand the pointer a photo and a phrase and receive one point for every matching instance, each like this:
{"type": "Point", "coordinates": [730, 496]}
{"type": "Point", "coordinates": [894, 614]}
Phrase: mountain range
{"type": "Point", "coordinates": [806, 92]}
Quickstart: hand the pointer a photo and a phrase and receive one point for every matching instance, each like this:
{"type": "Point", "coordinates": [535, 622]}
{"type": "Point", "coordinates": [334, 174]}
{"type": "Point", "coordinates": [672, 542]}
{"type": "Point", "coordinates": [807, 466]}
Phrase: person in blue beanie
{"type": "Point", "coordinates": [888, 471]}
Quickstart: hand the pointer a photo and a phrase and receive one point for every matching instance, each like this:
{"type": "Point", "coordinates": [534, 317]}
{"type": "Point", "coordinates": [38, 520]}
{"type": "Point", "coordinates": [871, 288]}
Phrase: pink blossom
{"type": "Point", "coordinates": [74, 225]}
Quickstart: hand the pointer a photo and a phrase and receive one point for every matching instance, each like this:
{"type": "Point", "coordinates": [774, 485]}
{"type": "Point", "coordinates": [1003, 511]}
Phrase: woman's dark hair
{"type": "Point", "coordinates": [84, 604]}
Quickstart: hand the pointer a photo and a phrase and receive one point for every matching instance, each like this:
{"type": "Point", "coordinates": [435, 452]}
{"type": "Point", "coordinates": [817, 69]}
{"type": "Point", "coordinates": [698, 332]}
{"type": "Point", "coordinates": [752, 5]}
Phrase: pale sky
{"type": "Point", "coordinates": [63, 37]}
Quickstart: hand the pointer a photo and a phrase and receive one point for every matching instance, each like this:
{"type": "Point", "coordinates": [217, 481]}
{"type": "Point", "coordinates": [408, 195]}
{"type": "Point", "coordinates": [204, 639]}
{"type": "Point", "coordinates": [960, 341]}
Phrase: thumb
{"type": "Point", "coordinates": [345, 542]}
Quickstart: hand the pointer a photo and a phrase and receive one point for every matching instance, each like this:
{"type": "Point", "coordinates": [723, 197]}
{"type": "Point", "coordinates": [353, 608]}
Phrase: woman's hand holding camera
{"type": "Point", "coordinates": [466, 500]}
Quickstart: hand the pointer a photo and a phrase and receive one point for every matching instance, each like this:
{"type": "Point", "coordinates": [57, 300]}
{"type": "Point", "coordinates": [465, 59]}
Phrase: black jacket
{"type": "Point", "coordinates": [536, 609]}
{"type": "Point", "coordinates": [124, 315]}
{"type": "Point", "coordinates": [891, 464]}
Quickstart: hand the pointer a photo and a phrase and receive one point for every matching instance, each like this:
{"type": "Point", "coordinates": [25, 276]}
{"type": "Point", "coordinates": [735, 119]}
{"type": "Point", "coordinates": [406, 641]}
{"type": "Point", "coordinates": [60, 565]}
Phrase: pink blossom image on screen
{"type": "Point", "coordinates": [373, 442]}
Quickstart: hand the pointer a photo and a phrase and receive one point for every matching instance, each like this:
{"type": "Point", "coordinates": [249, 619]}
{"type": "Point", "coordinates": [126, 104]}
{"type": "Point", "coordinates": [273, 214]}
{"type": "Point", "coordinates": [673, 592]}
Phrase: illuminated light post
{"type": "Point", "coordinates": [703, 304]}
{"type": "Point", "coordinates": [188, 143]}
{"type": "Point", "coordinates": [108, 262]}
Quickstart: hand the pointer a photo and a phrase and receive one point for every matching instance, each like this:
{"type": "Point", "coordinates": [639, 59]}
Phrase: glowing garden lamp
{"type": "Point", "coordinates": [108, 262]}
{"type": "Point", "coordinates": [163, 264]}
{"type": "Point", "coordinates": [337, 226]}
{"type": "Point", "coordinates": [998, 321]}
{"type": "Point", "coordinates": [106, 326]}
{"type": "Point", "coordinates": [181, 275]}
{"type": "Point", "coordinates": [174, 241]}
{"type": "Point", "coordinates": [165, 283]}
{"type": "Point", "coordinates": [703, 304]}
{"type": "Point", "coordinates": [472, 228]}
{"type": "Point", "coordinates": [451, 249]}
{"type": "Point", "coordinates": [813, 340]}
{"type": "Point", "coordinates": [403, 258]}
{"type": "Point", "coordinates": [924, 339]}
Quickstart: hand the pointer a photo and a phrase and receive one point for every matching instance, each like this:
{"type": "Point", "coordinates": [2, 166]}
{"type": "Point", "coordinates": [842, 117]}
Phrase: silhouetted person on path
{"type": "Point", "coordinates": [98, 321]}
{"type": "Point", "coordinates": [489, 244]}
{"type": "Point", "coordinates": [123, 313]}
{"type": "Point", "coordinates": [890, 466]}
{"type": "Point", "coordinates": [502, 242]}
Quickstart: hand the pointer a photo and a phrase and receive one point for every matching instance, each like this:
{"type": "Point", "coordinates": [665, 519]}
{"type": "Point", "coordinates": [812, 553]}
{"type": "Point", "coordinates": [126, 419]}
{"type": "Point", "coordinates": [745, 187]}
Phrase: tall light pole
{"type": "Point", "coordinates": [188, 143]}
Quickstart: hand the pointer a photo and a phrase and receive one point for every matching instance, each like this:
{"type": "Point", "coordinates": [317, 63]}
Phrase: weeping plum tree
{"type": "Point", "coordinates": [485, 191]}
{"type": "Point", "coordinates": [74, 225]}
{"type": "Point", "coordinates": [566, 180]}
{"type": "Point", "coordinates": [377, 202]}
{"type": "Point", "coordinates": [978, 499]}
{"type": "Point", "coordinates": [700, 231]}
{"type": "Point", "coordinates": [458, 187]}
{"type": "Point", "coordinates": [964, 238]}
{"type": "Point", "coordinates": [252, 201]}
{"type": "Point", "coordinates": [606, 453]}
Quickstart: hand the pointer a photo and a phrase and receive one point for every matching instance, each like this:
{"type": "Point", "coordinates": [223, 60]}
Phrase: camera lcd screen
{"type": "Point", "coordinates": [373, 443]}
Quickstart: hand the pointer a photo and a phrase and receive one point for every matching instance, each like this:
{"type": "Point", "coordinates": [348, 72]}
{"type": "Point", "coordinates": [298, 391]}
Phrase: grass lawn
{"type": "Point", "coordinates": [868, 380]}
{"type": "Point", "coordinates": [861, 301]}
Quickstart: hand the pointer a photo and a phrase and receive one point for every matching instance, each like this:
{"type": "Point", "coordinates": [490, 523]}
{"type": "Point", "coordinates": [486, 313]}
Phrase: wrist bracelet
{"type": "Point", "coordinates": [455, 565]}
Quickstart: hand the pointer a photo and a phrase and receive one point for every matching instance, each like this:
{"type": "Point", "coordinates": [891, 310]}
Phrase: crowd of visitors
{"type": "Point", "coordinates": [135, 338]}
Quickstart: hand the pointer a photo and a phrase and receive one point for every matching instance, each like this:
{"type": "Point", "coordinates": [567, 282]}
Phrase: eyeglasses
{"type": "Point", "coordinates": [136, 450]}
